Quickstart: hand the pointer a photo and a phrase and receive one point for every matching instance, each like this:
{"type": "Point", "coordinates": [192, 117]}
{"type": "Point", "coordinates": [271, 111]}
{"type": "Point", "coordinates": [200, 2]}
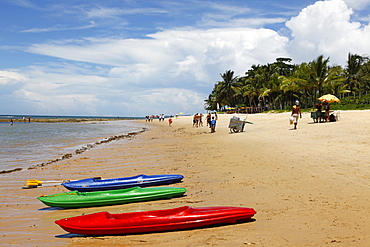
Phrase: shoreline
{"type": "Point", "coordinates": [62, 120]}
{"type": "Point", "coordinates": [81, 150]}
{"type": "Point", "coordinates": [310, 187]}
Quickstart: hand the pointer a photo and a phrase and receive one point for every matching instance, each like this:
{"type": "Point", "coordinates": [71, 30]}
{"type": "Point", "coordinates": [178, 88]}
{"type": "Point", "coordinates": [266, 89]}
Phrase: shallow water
{"type": "Point", "coordinates": [25, 144]}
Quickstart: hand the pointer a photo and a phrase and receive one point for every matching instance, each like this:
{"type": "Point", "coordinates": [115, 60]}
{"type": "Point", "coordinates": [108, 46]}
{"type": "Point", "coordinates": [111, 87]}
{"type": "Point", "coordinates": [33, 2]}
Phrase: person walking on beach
{"type": "Point", "coordinates": [170, 122]}
{"type": "Point", "coordinates": [208, 119]}
{"type": "Point", "coordinates": [212, 125]}
{"type": "Point", "coordinates": [11, 121]}
{"type": "Point", "coordinates": [196, 120]}
{"type": "Point", "coordinates": [296, 112]}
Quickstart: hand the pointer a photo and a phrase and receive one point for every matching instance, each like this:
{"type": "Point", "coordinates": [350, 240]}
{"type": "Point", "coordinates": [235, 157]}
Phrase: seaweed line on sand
{"type": "Point", "coordinates": [80, 150]}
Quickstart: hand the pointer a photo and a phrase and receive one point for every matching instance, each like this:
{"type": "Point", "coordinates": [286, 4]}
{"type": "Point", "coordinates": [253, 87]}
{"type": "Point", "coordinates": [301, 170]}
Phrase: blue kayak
{"type": "Point", "coordinates": [96, 184]}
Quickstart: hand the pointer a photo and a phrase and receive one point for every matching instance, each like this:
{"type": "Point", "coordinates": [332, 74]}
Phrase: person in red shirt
{"type": "Point", "coordinates": [169, 121]}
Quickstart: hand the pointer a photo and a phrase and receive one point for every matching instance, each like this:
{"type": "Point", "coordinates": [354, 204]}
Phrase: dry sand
{"type": "Point", "coordinates": [310, 187]}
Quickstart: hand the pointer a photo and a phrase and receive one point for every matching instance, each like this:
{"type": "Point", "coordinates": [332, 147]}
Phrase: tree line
{"type": "Point", "coordinates": [277, 85]}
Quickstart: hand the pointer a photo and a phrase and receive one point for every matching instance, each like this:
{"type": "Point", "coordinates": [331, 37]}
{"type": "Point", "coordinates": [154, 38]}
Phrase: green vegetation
{"type": "Point", "coordinates": [276, 86]}
{"type": "Point", "coordinates": [353, 103]}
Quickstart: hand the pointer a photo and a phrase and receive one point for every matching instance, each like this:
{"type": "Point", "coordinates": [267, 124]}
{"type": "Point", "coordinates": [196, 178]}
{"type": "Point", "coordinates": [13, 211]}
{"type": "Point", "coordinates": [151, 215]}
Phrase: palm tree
{"type": "Point", "coordinates": [300, 84]}
{"type": "Point", "coordinates": [319, 74]}
{"type": "Point", "coordinates": [354, 71]}
{"type": "Point", "coordinates": [255, 80]}
{"type": "Point", "coordinates": [366, 78]}
{"type": "Point", "coordinates": [282, 66]}
{"type": "Point", "coordinates": [210, 103]}
{"type": "Point", "coordinates": [337, 84]}
{"type": "Point", "coordinates": [271, 78]}
{"type": "Point", "coordinates": [239, 89]}
{"type": "Point", "coordinates": [225, 90]}
{"type": "Point", "coordinates": [280, 83]}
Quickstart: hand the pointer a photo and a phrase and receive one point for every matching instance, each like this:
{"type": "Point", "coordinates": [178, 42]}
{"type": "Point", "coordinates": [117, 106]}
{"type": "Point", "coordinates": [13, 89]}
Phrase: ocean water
{"type": "Point", "coordinates": [25, 144]}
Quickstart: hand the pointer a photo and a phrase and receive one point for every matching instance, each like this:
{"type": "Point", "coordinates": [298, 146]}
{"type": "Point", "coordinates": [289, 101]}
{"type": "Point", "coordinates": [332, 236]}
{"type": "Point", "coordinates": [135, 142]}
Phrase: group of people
{"type": "Point", "coordinates": [27, 118]}
{"type": "Point", "coordinates": [24, 119]}
{"type": "Point", "coordinates": [297, 113]}
{"type": "Point", "coordinates": [149, 118]}
{"type": "Point", "coordinates": [327, 116]}
{"type": "Point", "coordinates": [161, 117]}
{"type": "Point", "coordinates": [210, 121]}
{"type": "Point", "coordinates": [198, 120]}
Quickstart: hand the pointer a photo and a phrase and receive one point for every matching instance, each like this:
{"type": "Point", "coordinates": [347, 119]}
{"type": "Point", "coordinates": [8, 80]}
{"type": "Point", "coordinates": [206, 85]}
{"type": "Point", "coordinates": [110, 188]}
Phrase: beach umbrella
{"type": "Point", "coordinates": [329, 98]}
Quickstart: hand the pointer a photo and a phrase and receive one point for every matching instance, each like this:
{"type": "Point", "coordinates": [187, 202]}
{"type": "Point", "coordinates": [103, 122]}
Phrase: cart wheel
{"type": "Point", "coordinates": [235, 130]}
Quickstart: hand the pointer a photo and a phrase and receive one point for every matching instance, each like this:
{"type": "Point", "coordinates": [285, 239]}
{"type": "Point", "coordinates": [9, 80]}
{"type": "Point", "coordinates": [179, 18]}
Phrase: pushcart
{"type": "Point", "coordinates": [236, 124]}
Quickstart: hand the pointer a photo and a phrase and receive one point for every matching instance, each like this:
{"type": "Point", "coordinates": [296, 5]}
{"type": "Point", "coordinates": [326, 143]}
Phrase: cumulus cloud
{"type": "Point", "coordinates": [174, 55]}
{"type": "Point", "coordinates": [325, 28]}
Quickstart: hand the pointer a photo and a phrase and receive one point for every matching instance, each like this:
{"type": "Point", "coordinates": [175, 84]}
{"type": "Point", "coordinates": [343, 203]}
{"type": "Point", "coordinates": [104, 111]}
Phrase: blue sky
{"type": "Point", "coordinates": [132, 58]}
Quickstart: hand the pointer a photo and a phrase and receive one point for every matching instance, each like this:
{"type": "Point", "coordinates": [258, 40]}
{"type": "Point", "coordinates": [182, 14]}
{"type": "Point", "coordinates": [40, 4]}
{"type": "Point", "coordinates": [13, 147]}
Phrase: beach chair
{"type": "Point", "coordinates": [337, 115]}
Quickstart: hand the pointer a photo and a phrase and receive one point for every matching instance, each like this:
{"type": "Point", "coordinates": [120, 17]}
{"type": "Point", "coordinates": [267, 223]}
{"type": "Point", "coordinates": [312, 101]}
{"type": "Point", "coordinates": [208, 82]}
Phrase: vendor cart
{"type": "Point", "coordinates": [236, 124]}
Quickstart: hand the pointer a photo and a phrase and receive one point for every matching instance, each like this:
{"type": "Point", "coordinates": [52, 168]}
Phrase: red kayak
{"type": "Point", "coordinates": [104, 223]}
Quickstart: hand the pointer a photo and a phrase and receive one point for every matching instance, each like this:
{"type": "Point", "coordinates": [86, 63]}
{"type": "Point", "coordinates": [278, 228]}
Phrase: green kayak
{"type": "Point", "coordinates": [75, 199]}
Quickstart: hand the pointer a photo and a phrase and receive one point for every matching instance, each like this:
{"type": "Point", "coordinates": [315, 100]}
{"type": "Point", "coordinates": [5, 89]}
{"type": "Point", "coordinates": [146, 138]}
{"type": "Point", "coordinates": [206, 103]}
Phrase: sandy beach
{"type": "Point", "coordinates": [310, 186]}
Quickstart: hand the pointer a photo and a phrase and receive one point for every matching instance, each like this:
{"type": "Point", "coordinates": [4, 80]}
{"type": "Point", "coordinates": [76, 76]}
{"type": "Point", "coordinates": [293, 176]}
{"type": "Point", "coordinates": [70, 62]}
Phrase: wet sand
{"type": "Point", "coordinates": [310, 187]}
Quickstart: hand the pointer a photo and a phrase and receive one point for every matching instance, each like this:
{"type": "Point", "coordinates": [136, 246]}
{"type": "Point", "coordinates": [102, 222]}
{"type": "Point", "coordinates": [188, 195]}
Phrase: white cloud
{"type": "Point", "coordinates": [324, 28]}
{"type": "Point", "coordinates": [58, 28]}
{"type": "Point", "coordinates": [357, 4]}
{"type": "Point", "coordinates": [240, 22]}
{"type": "Point", "coordinates": [51, 90]}
{"type": "Point", "coordinates": [102, 12]}
{"type": "Point", "coordinates": [66, 104]}
{"type": "Point", "coordinates": [23, 3]}
{"type": "Point", "coordinates": [167, 100]}
{"type": "Point", "coordinates": [105, 12]}
{"type": "Point", "coordinates": [168, 55]}
{"type": "Point", "coordinates": [64, 91]}
{"type": "Point", "coordinates": [9, 82]}
{"type": "Point", "coordinates": [11, 77]}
